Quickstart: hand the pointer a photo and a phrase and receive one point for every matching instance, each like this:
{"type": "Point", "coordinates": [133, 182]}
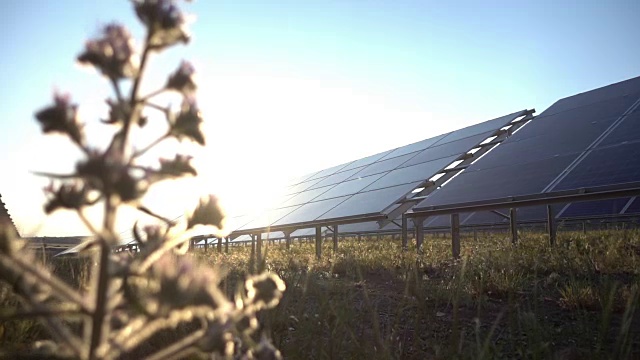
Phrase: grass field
{"type": "Point", "coordinates": [371, 300]}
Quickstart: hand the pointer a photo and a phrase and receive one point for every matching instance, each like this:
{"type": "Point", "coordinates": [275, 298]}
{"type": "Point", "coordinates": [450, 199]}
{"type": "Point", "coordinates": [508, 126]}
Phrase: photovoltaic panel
{"type": "Point", "coordinates": [634, 207]}
{"type": "Point", "coordinates": [301, 186]}
{"type": "Point", "coordinates": [329, 171]}
{"type": "Point", "coordinates": [349, 187]}
{"type": "Point", "coordinates": [335, 178]}
{"type": "Point", "coordinates": [412, 173]}
{"type": "Point", "coordinates": [368, 186]}
{"type": "Point", "coordinates": [305, 196]}
{"type": "Point", "coordinates": [483, 127]}
{"type": "Point", "coordinates": [564, 148]}
{"type": "Point", "coordinates": [310, 211]}
{"type": "Point", "coordinates": [269, 217]}
{"type": "Point", "coordinates": [383, 165]}
{"type": "Point", "coordinates": [605, 166]}
{"type": "Point", "coordinates": [448, 149]}
{"type": "Point", "coordinates": [367, 160]}
{"type": "Point", "coordinates": [595, 208]}
{"type": "Point", "coordinates": [370, 202]}
{"type": "Point", "coordinates": [417, 146]}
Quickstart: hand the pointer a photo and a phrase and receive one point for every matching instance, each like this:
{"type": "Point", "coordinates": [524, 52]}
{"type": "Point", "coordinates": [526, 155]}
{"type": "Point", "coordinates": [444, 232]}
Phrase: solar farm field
{"type": "Point", "coordinates": [578, 299]}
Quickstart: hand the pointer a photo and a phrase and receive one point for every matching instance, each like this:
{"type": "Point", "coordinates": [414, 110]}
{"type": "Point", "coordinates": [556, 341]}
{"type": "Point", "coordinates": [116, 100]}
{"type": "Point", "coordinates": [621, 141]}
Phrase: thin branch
{"type": "Point", "coordinates": [179, 349]}
{"type": "Point", "coordinates": [151, 213]}
{"type": "Point", "coordinates": [155, 93]}
{"type": "Point", "coordinates": [165, 110]}
{"type": "Point", "coordinates": [55, 176]}
{"type": "Point", "coordinates": [116, 90]}
{"type": "Point", "coordinates": [148, 147]}
{"type": "Point", "coordinates": [60, 288]}
{"type": "Point", "coordinates": [21, 315]}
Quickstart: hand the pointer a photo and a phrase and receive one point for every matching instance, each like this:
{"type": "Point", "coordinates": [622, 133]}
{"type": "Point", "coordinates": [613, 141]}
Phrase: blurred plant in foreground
{"type": "Point", "coordinates": [134, 297]}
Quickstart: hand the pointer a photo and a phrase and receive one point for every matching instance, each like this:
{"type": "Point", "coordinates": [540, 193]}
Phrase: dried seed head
{"type": "Point", "coordinates": [62, 117]}
{"type": "Point", "coordinates": [113, 54]}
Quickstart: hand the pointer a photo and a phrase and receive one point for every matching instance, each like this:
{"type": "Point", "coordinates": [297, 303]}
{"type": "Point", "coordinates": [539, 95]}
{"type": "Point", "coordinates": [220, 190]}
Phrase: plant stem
{"type": "Point", "coordinates": [99, 331]}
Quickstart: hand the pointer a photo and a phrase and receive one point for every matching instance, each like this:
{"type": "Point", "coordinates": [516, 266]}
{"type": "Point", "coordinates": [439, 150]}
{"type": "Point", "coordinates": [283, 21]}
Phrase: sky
{"type": "Point", "coordinates": [289, 87]}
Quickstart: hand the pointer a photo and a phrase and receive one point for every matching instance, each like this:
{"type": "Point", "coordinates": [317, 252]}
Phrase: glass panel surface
{"type": "Point", "coordinates": [413, 173]}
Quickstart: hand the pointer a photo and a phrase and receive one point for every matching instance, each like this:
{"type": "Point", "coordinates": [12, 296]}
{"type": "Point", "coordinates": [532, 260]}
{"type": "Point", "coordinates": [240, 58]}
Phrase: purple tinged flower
{"type": "Point", "coordinates": [62, 117]}
{"type": "Point", "coordinates": [187, 122]}
{"type": "Point", "coordinates": [182, 80]}
{"type": "Point", "coordinates": [164, 21]}
{"type": "Point", "coordinates": [113, 54]}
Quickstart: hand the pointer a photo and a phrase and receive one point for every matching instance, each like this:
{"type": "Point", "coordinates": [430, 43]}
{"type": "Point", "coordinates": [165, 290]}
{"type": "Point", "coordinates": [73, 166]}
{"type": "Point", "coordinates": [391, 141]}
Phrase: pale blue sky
{"type": "Point", "coordinates": [293, 86]}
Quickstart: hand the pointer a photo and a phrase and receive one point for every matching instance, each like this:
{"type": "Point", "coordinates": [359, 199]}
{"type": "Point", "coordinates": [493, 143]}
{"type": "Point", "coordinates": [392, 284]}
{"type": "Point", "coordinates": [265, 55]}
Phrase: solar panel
{"type": "Point", "coordinates": [581, 141]}
{"type": "Point", "coordinates": [634, 207]}
{"type": "Point", "coordinates": [370, 202]}
{"type": "Point", "coordinates": [371, 185]}
{"type": "Point", "coordinates": [595, 208]}
{"type": "Point", "coordinates": [349, 187]}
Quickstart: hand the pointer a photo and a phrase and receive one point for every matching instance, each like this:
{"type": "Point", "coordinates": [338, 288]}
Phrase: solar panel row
{"type": "Point", "coordinates": [368, 186]}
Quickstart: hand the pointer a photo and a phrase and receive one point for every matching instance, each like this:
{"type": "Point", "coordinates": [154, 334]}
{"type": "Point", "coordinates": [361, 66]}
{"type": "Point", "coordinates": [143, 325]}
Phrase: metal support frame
{"type": "Point", "coordinates": [418, 223]}
{"type": "Point", "coordinates": [226, 244]}
{"type": "Point", "coordinates": [219, 244]}
{"type": "Point", "coordinates": [252, 261]}
{"type": "Point", "coordinates": [259, 248]}
{"type": "Point", "coordinates": [335, 238]}
{"type": "Point", "coordinates": [287, 239]}
{"type": "Point", "coordinates": [551, 225]}
{"type": "Point", "coordinates": [405, 232]}
{"type": "Point", "coordinates": [513, 225]}
{"type": "Point", "coordinates": [318, 242]}
{"type": "Point", "coordinates": [455, 235]}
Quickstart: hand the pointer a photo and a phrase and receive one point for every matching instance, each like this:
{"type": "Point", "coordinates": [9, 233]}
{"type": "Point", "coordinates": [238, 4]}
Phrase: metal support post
{"type": "Point", "coordinates": [513, 224]}
{"type": "Point", "coordinates": [226, 244]}
{"type": "Point", "coordinates": [252, 261]}
{"type": "Point", "coordinates": [259, 249]}
{"type": "Point", "coordinates": [551, 225]}
{"type": "Point", "coordinates": [405, 232]}
{"type": "Point", "coordinates": [219, 245]}
{"type": "Point", "coordinates": [318, 242]}
{"type": "Point", "coordinates": [418, 223]}
{"type": "Point", "coordinates": [335, 239]}
{"type": "Point", "coordinates": [455, 235]}
{"type": "Point", "coordinates": [287, 238]}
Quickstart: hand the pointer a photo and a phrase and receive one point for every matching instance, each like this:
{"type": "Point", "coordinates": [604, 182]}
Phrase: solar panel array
{"type": "Point", "coordinates": [369, 186]}
{"type": "Point", "coordinates": [585, 140]}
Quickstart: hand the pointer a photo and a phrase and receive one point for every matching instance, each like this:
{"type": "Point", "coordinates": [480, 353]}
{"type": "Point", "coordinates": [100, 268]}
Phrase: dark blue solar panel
{"type": "Point", "coordinates": [628, 88]}
{"type": "Point", "coordinates": [305, 196]}
{"type": "Point", "coordinates": [535, 156]}
{"type": "Point", "coordinates": [310, 211]}
{"type": "Point", "coordinates": [349, 187]}
{"type": "Point", "coordinates": [371, 202]}
{"type": "Point", "coordinates": [419, 172]}
{"type": "Point", "coordinates": [569, 132]}
{"type": "Point", "coordinates": [366, 161]}
{"type": "Point", "coordinates": [605, 166]}
{"type": "Point", "coordinates": [628, 130]}
{"type": "Point", "coordinates": [331, 170]}
{"type": "Point", "coordinates": [595, 208]}
{"type": "Point", "coordinates": [420, 145]}
{"type": "Point", "coordinates": [457, 147]}
{"type": "Point", "coordinates": [335, 178]}
{"type": "Point", "coordinates": [301, 186]}
{"type": "Point", "coordinates": [499, 182]}
{"type": "Point", "coordinates": [634, 208]}
{"type": "Point", "coordinates": [384, 165]}
{"type": "Point", "coordinates": [483, 127]}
